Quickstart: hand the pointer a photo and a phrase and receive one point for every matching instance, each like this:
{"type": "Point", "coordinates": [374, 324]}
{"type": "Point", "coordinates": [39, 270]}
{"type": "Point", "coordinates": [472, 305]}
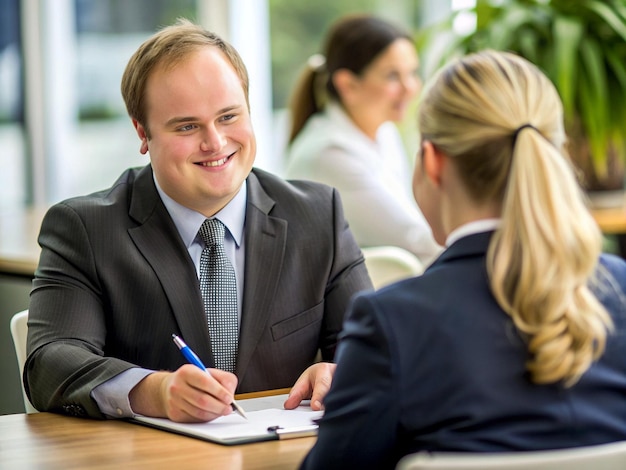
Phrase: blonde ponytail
{"type": "Point", "coordinates": [500, 120]}
{"type": "Point", "coordinates": [541, 260]}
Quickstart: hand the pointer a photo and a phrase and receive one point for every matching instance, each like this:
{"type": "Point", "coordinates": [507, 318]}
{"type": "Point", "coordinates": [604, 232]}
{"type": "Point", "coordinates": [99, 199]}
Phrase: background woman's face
{"type": "Point", "coordinates": [388, 85]}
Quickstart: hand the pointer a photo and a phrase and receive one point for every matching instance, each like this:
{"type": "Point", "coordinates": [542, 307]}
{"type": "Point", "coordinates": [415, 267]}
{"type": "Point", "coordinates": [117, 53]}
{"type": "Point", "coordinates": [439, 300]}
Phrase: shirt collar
{"type": "Point", "coordinates": [471, 228]}
{"type": "Point", "coordinates": [188, 221]}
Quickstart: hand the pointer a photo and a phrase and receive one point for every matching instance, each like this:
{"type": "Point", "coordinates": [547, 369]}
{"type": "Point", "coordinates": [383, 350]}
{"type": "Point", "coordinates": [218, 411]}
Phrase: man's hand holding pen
{"type": "Point", "coordinates": [186, 395]}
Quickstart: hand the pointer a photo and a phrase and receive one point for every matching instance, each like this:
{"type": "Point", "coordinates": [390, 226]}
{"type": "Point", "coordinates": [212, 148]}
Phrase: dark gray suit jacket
{"type": "Point", "coordinates": [115, 281]}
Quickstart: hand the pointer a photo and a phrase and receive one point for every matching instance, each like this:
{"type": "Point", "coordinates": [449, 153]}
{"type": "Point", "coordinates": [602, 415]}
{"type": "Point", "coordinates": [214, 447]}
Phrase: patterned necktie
{"type": "Point", "coordinates": [219, 294]}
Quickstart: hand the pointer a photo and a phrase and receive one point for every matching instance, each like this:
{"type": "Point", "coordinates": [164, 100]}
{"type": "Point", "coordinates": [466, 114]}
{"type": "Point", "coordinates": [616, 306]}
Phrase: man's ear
{"type": "Point", "coordinates": [434, 162]}
{"type": "Point", "coordinates": [143, 136]}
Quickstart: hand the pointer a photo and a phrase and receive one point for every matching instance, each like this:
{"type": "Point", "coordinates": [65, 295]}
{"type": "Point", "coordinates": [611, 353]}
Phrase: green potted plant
{"type": "Point", "coordinates": [581, 46]}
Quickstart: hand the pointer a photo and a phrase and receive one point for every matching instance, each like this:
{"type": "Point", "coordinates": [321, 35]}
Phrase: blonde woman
{"type": "Point", "coordinates": [515, 338]}
{"type": "Point", "coordinates": [343, 134]}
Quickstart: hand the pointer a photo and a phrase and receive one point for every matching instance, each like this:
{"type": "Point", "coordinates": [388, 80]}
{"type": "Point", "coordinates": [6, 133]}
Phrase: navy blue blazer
{"type": "Point", "coordinates": [433, 363]}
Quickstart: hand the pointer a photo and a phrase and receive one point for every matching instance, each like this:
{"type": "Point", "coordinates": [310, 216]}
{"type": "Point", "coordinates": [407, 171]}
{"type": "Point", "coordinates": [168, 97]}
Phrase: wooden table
{"type": "Point", "coordinates": [45, 441]}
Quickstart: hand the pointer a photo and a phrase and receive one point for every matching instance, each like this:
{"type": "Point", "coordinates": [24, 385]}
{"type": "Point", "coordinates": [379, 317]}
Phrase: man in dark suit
{"type": "Point", "coordinates": [118, 273]}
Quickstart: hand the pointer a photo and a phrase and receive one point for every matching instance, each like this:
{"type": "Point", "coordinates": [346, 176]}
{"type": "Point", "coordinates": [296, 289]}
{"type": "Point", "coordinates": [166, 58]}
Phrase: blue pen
{"type": "Point", "coordinates": [195, 360]}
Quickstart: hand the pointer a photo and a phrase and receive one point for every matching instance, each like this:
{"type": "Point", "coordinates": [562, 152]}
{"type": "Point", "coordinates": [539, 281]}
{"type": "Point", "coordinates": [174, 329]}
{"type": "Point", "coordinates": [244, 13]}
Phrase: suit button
{"type": "Point", "coordinates": [74, 410]}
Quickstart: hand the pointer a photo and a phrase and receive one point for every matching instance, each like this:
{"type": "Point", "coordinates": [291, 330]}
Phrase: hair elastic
{"type": "Point", "coordinates": [519, 129]}
{"type": "Point", "coordinates": [316, 62]}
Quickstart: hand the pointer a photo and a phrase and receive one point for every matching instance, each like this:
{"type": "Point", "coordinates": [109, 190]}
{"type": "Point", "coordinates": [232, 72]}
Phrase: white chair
{"type": "Point", "coordinates": [387, 264]}
{"type": "Point", "coordinates": [19, 330]}
{"type": "Point", "coordinates": [599, 457]}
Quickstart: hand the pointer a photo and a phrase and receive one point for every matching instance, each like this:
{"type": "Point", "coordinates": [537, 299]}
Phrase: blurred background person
{"type": "Point", "coordinates": [343, 133]}
{"type": "Point", "coordinates": [515, 338]}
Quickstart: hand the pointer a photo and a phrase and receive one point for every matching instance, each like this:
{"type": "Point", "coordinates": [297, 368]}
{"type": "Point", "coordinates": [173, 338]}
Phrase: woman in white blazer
{"type": "Point", "coordinates": [343, 131]}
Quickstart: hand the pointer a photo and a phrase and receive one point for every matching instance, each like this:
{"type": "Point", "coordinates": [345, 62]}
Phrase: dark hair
{"type": "Point", "coordinates": [353, 42]}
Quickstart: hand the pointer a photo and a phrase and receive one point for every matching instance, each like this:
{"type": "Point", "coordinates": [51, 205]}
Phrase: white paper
{"type": "Point", "coordinates": [234, 427]}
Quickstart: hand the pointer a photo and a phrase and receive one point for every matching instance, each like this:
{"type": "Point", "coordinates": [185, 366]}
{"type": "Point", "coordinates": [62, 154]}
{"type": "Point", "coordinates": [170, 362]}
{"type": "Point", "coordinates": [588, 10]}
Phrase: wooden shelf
{"type": "Point", "coordinates": [612, 221]}
{"type": "Point", "coordinates": [19, 229]}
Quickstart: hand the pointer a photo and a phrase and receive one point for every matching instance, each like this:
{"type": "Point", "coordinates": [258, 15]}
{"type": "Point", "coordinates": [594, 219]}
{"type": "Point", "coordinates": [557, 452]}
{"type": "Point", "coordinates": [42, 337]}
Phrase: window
{"type": "Point", "coordinates": [12, 157]}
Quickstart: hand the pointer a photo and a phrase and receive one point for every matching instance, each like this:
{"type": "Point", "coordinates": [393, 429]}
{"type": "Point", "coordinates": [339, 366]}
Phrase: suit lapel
{"type": "Point", "coordinates": [266, 238]}
{"type": "Point", "coordinates": [158, 240]}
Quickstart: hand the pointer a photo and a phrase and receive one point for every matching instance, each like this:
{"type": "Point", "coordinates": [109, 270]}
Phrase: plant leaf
{"type": "Point", "coordinates": [609, 16]}
{"type": "Point", "coordinates": [567, 34]}
{"type": "Point", "coordinates": [504, 32]}
{"type": "Point", "coordinates": [593, 102]}
{"type": "Point", "coordinates": [618, 68]}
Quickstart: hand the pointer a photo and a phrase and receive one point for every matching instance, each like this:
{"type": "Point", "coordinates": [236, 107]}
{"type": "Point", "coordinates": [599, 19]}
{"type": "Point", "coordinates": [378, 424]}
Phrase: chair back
{"type": "Point", "coordinates": [387, 264]}
{"type": "Point", "coordinates": [599, 457]}
{"type": "Point", "coordinates": [19, 331]}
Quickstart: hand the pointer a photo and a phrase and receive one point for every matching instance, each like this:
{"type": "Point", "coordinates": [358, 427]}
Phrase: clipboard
{"type": "Point", "coordinates": [267, 421]}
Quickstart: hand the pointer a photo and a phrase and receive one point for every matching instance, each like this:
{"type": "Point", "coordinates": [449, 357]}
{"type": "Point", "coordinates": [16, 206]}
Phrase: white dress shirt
{"type": "Point", "coordinates": [372, 176]}
{"type": "Point", "coordinates": [233, 216]}
{"type": "Point", "coordinates": [471, 228]}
